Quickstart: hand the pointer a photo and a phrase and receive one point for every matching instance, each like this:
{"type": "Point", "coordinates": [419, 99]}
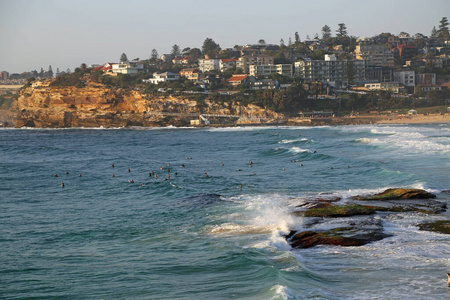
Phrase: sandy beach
{"type": "Point", "coordinates": [416, 119]}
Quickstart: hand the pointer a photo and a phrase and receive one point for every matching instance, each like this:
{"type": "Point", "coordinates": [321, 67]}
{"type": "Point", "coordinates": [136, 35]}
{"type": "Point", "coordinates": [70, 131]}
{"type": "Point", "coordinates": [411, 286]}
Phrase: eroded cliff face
{"type": "Point", "coordinates": [95, 105]}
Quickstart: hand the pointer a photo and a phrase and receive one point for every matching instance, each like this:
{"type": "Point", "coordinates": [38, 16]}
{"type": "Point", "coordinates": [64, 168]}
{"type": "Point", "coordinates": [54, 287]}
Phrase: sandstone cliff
{"type": "Point", "coordinates": [95, 105]}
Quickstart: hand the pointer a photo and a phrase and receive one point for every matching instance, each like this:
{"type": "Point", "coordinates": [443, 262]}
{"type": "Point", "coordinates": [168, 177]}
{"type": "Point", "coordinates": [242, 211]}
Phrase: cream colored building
{"type": "Point", "coordinates": [244, 62]}
{"type": "Point", "coordinates": [375, 54]}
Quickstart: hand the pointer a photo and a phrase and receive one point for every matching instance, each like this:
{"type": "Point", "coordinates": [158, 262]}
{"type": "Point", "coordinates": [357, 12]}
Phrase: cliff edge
{"type": "Point", "coordinates": [95, 105]}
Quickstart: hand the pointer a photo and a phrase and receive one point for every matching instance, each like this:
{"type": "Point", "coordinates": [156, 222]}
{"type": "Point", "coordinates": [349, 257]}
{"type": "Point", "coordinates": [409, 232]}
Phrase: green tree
{"type": "Point", "coordinates": [175, 50]}
{"type": "Point", "coordinates": [154, 55]}
{"type": "Point", "coordinates": [50, 72]}
{"type": "Point", "coordinates": [123, 58]}
{"type": "Point", "coordinates": [434, 32]}
{"type": "Point", "coordinates": [210, 47]}
{"type": "Point", "coordinates": [297, 37]}
{"type": "Point", "coordinates": [341, 31]}
{"type": "Point", "coordinates": [326, 32]}
{"type": "Point", "coordinates": [262, 41]}
{"type": "Point", "coordinates": [443, 29]}
{"type": "Point", "coordinates": [195, 53]}
{"type": "Point", "coordinates": [83, 67]}
{"type": "Point", "coordinates": [282, 43]}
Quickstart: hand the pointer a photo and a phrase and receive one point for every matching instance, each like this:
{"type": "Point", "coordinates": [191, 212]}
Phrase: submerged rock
{"type": "Point", "coordinates": [442, 226]}
{"type": "Point", "coordinates": [398, 194]}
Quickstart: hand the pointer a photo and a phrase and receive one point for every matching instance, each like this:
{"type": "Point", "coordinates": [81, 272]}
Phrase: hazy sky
{"type": "Point", "coordinates": [66, 33]}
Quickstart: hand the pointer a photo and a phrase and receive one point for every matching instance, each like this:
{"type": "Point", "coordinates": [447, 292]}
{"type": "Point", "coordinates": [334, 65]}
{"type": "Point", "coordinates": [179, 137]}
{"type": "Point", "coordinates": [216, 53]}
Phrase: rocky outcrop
{"type": "Point", "coordinates": [95, 105]}
{"type": "Point", "coordinates": [442, 226]}
{"type": "Point", "coordinates": [397, 194]}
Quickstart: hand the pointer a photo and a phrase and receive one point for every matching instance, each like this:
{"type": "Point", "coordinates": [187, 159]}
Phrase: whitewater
{"type": "Point", "coordinates": [212, 225]}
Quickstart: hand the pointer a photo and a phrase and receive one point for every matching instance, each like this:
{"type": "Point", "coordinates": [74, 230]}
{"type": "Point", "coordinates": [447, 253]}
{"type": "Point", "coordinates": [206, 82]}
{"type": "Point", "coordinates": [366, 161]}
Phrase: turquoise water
{"type": "Point", "coordinates": [199, 237]}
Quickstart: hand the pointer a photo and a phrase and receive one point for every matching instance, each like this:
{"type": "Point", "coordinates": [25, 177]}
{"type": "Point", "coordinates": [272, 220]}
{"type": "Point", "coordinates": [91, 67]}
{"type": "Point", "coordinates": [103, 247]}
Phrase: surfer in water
{"type": "Point", "coordinates": [62, 183]}
{"type": "Point", "coordinates": [448, 277]}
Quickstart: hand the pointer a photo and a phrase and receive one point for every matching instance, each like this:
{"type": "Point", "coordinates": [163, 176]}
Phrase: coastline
{"type": "Point", "coordinates": [416, 119]}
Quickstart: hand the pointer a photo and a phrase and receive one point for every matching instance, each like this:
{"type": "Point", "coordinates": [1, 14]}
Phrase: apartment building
{"type": "Point", "coordinates": [209, 64]}
{"type": "Point", "coordinates": [244, 62]}
{"type": "Point", "coordinates": [330, 70]}
{"type": "Point", "coordinates": [405, 76]}
{"type": "Point", "coordinates": [375, 54]}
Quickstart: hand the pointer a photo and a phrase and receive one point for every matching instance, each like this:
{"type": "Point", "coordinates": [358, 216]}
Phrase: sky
{"type": "Point", "coordinates": [36, 34]}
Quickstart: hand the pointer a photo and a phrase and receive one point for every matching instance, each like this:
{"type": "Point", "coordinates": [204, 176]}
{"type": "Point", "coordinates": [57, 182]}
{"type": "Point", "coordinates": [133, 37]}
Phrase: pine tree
{"type": "Point", "coordinates": [154, 55]}
{"type": "Point", "coordinates": [443, 28]}
{"type": "Point", "coordinates": [123, 58]}
{"type": "Point", "coordinates": [326, 32]}
{"type": "Point", "coordinates": [50, 72]}
{"type": "Point", "coordinates": [282, 43]}
{"type": "Point", "coordinates": [342, 30]}
{"type": "Point", "coordinates": [297, 37]}
{"type": "Point", "coordinates": [175, 51]}
{"type": "Point", "coordinates": [434, 32]}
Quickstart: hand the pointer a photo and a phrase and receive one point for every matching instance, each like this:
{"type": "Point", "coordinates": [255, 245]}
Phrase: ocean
{"type": "Point", "coordinates": [214, 229]}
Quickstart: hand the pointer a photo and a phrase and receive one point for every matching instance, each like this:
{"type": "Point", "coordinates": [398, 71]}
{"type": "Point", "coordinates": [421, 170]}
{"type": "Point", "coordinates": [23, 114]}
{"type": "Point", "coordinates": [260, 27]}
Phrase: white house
{"type": "Point", "coordinates": [162, 77]}
{"type": "Point", "coordinates": [127, 68]}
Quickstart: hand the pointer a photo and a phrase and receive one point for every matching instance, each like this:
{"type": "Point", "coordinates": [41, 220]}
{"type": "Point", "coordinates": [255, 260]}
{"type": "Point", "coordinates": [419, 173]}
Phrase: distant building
{"type": "Point", "coordinates": [238, 79]}
{"type": "Point", "coordinates": [405, 77]}
{"type": "Point", "coordinates": [207, 65]}
{"type": "Point", "coordinates": [4, 75]}
{"type": "Point", "coordinates": [180, 60]}
{"type": "Point", "coordinates": [244, 62]}
{"type": "Point", "coordinates": [162, 77]}
{"type": "Point", "coordinates": [375, 54]}
{"type": "Point", "coordinates": [166, 57]}
{"type": "Point", "coordinates": [330, 70]}
{"type": "Point", "coordinates": [229, 63]}
{"type": "Point", "coordinates": [384, 86]}
{"type": "Point", "coordinates": [130, 68]}
{"type": "Point", "coordinates": [266, 70]}
{"type": "Point", "coordinates": [426, 78]}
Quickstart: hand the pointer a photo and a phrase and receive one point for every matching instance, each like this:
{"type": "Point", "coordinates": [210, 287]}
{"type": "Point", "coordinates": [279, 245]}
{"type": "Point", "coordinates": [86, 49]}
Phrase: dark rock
{"type": "Point", "coordinates": [442, 226]}
{"type": "Point", "coordinates": [342, 236]}
{"type": "Point", "coordinates": [336, 211]}
{"type": "Point", "coordinates": [397, 194]}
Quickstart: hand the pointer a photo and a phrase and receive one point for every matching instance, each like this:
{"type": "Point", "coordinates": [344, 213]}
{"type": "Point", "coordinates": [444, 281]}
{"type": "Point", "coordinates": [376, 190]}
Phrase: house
{"type": "Point", "coordinates": [238, 79]}
{"type": "Point", "coordinates": [130, 68]}
{"type": "Point", "coordinates": [166, 57]}
{"type": "Point", "coordinates": [162, 77]}
{"type": "Point", "coordinates": [266, 70]}
{"type": "Point", "coordinates": [181, 60]}
{"type": "Point", "coordinates": [228, 63]}
{"type": "Point", "coordinates": [104, 68]}
{"type": "Point", "coordinates": [188, 72]}
{"type": "Point", "coordinates": [405, 76]}
{"type": "Point", "coordinates": [207, 65]}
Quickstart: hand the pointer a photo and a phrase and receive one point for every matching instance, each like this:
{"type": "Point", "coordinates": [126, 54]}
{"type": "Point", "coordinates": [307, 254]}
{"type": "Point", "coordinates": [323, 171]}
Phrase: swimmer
{"type": "Point", "coordinates": [149, 174]}
{"type": "Point", "coordinates": [143, 184]}
{"type": "Point", "coordinates": [175, 173]}
{"type": "Point", "coordinates": [239, 170]}
{"type": "Point", "coordinates": [182, 166]}
{"type": "Point", "coordinates": [156, 176]}
{"type": "Point", "coordinates": [301, 165]}
{"type": "Point", "coordinates": [129, 170]}
{"type": "Point", "coordinates": [112, 165]}
{"type": "Point", "coordinates": [284, 169]}
{"type": "Point", "coordinates": [315, 151]}
{"type": "Point", "coordinates": [113, 175]}
{"type": "Point", "coordinates": [448, 277]}
{"type": "Point", "coordinates": [169, 176]}
{"type": "Point", "coordinates": [79, 175]}
{"type": "Point", "coordinates": [62, 183]}
{"type": "Point", "coordinates": [56, 175]}
{"type": "Point", "coordinates": [161, 168]}
{"type": "Point", "coordinates": [168, 170]}
{"type": "Point", "coordinates": [206, 174]}
{"type": "Point", "coordinates": [240, 186]}
{"type": "Point", "coordinates": [168, 165]}
{"type": "Point", "coordinates": [131, 181]}
{"type": "Point", "coordinates": [222, 165]}
{"type": "Point", "coordinates": [67, 173]}
{"type": "Point", "coordinates": [331, 168]}
{"type": "Point", "coordinates": [165, 179]}
{"type": "Point", "coordinates": [187, 157]}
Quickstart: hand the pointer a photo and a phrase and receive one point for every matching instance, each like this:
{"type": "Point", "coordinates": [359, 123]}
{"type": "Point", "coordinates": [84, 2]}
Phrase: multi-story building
{"type": "Point", "coordinates": [4, 75]}
{"type": "Point", "coordinates": [244, 62]}
{"type": "Point", "coordinates": [384, 86]}
{"type": "Point", "coordinates": [405, 76]}
{"type": "Point", "coordinates": [228, 63]}
{"type": "Point", "coordinates": [426, 78]}
{"type": "Point", "coordinates": [375, 54]}
{"type": "Point", "coordinates": [266, 70]}
{"type": "Point", "coordinates": [330, 70]}
{"type": "Point", "coordinates": [209, 64]}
